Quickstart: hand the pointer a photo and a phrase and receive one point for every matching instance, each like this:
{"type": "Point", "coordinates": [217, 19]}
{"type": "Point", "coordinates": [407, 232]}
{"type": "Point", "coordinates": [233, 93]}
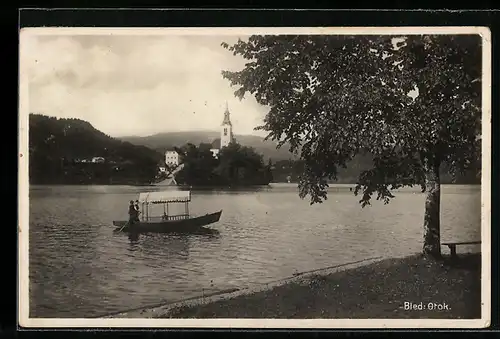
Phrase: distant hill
{"type": "Point", "coordinates": [160, 142]}
{"type": "Point", "coordinates": [61, 151]}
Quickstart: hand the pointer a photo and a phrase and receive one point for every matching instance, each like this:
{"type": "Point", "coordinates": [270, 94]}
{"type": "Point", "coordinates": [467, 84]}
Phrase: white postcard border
{"type": "Point", "coordinates": [23, 187]}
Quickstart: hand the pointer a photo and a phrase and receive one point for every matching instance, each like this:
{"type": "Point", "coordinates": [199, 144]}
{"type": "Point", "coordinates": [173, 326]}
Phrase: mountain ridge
{"type": "Point", "coordinates": [164, 140]}
{"type": "Point", "coordinates": [62, 150]}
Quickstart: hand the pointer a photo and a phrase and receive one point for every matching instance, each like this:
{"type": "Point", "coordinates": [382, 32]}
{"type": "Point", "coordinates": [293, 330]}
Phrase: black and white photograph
{"type": "Point", "coordinates": [255, 177]}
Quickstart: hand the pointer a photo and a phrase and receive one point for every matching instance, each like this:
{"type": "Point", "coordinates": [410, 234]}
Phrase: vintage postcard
{"type": "Point", "coordinates": [255, 177]}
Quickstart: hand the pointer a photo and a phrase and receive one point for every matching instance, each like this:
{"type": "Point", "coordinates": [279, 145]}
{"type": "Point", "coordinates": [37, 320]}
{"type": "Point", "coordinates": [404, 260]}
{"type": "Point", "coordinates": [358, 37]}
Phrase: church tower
{"type": "Point", "coordinates": [226, 134]}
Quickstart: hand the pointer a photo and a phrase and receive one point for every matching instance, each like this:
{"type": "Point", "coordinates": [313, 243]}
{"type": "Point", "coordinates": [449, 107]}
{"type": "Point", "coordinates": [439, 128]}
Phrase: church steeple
{"type": "Point", "coordinates": [227, 120]}
{"type": "Point", "coordinates": [226, 135]}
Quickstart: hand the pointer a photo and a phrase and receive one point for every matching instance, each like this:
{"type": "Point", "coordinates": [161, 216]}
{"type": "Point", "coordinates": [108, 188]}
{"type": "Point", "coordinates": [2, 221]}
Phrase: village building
{"type": "Point", "coordinates": [172, 158]}
{"type": "Point", "coordinates": [98, 160]}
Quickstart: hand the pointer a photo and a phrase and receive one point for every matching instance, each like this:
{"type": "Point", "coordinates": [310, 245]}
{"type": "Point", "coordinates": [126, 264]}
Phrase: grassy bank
{"type": "Point", "coordinates": [379, 290]}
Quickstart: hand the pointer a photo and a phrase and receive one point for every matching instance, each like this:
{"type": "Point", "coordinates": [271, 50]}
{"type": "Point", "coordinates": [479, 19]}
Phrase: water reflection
{"type": "Point", "coordinates": [174, 247]}
{"type": "Point", "coordinates": [205, 233]}
{"type": "Point", "coordinates": [134, 238]}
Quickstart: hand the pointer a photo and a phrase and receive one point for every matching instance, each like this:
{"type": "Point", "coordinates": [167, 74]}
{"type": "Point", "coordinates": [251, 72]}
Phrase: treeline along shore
{"type": "Point", "coordinates": [73, 152]}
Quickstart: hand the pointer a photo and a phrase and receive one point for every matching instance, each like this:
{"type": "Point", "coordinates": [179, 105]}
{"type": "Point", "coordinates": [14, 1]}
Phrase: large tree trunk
{"type": "Point", "coordinates": [432, 238]}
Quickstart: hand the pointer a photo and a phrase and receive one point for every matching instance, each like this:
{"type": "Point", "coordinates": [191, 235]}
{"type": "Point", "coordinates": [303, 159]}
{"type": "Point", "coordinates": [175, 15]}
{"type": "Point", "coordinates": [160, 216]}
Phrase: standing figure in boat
{"type": "Point", "coordinates": [132, 214]}
{"type": "Point", "coordinates": [137, 212]}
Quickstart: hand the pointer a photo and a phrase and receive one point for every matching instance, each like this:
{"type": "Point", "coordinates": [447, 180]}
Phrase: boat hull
{"type": "Point", "coordinates": [171, 226]}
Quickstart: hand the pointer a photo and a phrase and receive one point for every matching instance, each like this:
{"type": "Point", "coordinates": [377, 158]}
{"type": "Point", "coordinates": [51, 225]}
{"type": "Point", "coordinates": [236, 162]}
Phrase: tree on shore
{"type": "Point", "coordinates": [198, 166]}
{"type": "Point", "coordinates": [236, 165]}
{"type": "Point", "coordinates": [413, 103]}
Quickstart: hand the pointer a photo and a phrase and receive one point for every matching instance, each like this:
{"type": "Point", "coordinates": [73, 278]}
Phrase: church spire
{"type": "Point", "coordinates": [227, 120]}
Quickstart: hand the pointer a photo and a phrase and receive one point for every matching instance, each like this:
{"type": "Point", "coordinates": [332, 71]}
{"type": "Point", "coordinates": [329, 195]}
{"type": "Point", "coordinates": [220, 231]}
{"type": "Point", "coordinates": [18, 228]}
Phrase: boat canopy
{"type": "Point", "coordinates": [163, 197]}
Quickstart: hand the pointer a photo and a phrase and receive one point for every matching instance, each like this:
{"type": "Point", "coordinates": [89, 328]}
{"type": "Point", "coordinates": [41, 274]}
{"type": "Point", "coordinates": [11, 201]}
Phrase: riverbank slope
{"type": "Point", "coordinates": [379, 290]}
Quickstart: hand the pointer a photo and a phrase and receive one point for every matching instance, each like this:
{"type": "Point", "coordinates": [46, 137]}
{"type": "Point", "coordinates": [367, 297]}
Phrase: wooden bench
{"type": "Point", "coordinates": [453, 246]}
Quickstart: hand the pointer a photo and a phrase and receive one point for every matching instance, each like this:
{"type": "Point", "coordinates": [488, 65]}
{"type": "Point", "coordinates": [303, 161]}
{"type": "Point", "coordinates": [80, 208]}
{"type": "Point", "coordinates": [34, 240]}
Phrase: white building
{"type": "Point", "coordinates": [172, 158]}
{"type": "Point", "coordinates": [215, 152]}
{"type": "Point", "coordinates": [98, 160]}
{"type": "Point", "coordinates": [226, 134]}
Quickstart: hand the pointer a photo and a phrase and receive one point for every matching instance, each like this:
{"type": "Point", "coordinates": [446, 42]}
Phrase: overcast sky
{"type": "Point", "coordinates": [138, 85]}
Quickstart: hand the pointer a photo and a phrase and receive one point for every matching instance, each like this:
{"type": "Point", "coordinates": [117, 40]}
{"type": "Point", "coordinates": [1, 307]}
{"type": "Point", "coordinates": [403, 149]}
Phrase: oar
{"type": "Point", "coordinates": [138, 212]}
{"type": "Point", "coordinates": [123, 226]}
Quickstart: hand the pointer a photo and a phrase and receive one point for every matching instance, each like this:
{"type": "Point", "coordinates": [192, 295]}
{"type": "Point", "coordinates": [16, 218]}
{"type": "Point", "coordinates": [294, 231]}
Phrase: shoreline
{"type": "Point", "coordinates": [160, 309]}
{"type": "Point", "coordinates": [374, 288]}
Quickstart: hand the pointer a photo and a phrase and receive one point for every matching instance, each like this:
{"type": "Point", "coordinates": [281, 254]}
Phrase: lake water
{"type": "Point", "coordinates": [80, 268]}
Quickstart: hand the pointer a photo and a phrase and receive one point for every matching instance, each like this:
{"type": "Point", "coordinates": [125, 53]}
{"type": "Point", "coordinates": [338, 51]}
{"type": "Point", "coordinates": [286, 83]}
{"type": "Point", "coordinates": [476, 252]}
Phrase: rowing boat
{"type": "Point", "coordinates": [166, 223]}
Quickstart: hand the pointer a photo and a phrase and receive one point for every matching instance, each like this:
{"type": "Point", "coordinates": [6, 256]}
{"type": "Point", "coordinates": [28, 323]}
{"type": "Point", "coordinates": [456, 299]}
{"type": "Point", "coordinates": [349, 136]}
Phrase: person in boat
{"type": "Point", "coordinates": [132, 213]}
{"type": "Point", "coordinates": [136, 207]}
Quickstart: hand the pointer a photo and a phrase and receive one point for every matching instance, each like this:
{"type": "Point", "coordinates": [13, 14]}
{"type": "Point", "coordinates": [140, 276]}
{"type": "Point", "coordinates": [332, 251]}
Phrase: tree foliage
{"type": "Point", "coordinates": [340, 96]}
{"type": "Point", "coordinates": [198, 166]}
{"type": "Point", "coordinates": [413, 103]}
{"type": "Point", "coordinates": [235, 165]}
